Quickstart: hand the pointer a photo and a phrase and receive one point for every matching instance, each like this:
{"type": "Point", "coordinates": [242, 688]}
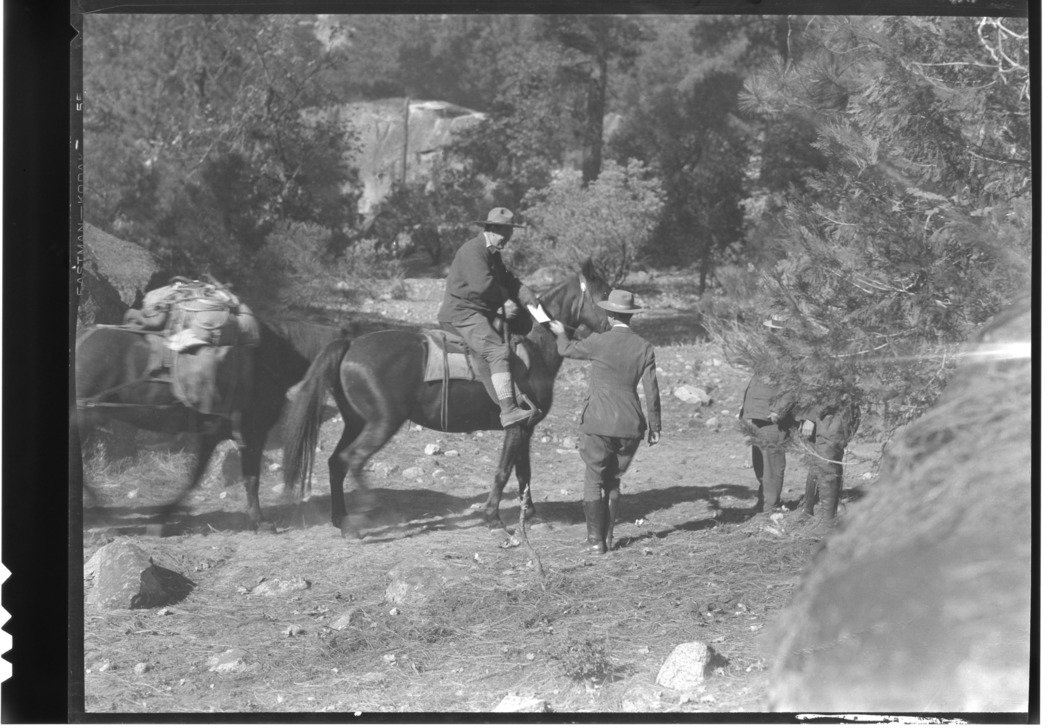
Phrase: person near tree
{"type": "Point", "coordinates": [612, 423]}
{"type": "Point", "coordinates": [764, 407]}
{"type": "Point", "coordinates": [827, 428]}
{"type": "Point", "coordinates": [481, 297]}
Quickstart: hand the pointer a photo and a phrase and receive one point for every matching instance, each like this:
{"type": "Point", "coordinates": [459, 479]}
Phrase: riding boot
{"type": "Point", "coordinates": [808, 502]}
{"type": "Point", "coordinates": [595, 525]}
{"type": "Point", "coordinates": [830, 489]}
{"type": "Point", "coordinates": [611, 501]}
{"type": "Point", "coordinates": [509, 412]}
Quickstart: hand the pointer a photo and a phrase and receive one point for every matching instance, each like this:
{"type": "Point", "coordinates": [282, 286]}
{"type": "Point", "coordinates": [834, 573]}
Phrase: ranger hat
{"type": "Point", "coordinates": [620, 302]}
{"type": "Point", "coordinates": [499, 216]}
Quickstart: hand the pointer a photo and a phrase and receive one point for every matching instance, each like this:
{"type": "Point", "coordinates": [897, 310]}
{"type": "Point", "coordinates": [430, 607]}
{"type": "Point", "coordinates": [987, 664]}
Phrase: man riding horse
{"type": "Point", "coordinates": [481, 297]}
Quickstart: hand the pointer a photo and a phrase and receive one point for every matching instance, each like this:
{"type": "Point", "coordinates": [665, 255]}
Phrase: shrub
{"type": "Point", "coordinates": [607, 220]}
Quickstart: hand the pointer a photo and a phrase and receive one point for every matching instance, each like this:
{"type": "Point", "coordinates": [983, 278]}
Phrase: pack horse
{"type": "Point", "coordinates": [195, 359]}
{"type": "Point", "coordinates": [382, 379]}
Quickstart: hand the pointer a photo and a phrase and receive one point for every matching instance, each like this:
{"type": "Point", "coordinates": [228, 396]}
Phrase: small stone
{"type": "Point", "coordinates": [452, 454]}
{"type": "Point", "coordinates": [223, 495]}
{"type": "Point", "coordinates": [725, 412]}
{"type": "Point", "coordinates": [165, 612]}
{"type": "Point", "coordinates": [232, 660]}
{"type": "Point", "coordinates": [432, 449]}
{"type": "Point", "coordinates": [394, 612]}
{"type": "Point", "coordinates": [389, 659]}
{"type": "Point", "coordinates": [141, 668]}
{"type": "Point", "coordinates": [712, 423]}
{"type": "Point", "coordinates": [412, 473]}
{"type": "Point", "coordinates": [294, 629]}
{"type": "Point", "coordinates": [568, 442]}
{"type": "Point", "coordinates": [274, 467]}
{"type": "Point", "coordinates": [520, 704]}
{"type": "Point", "coordinates": [438, 473]}
{"type": "Point", "coordinates": [270, 587]}
{"type": "Point", "coordinates": [544, 439]}
{"type": "Point", "coordinates": [133, 493]}
{"type": "Point", "coordinates": [868, 475]}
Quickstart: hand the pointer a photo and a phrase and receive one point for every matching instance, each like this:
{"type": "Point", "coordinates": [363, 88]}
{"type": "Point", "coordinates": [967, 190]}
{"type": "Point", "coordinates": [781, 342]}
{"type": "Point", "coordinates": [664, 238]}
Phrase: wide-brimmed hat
{"type": "Point", "coordinates": [620, 302]}
{"type": "Point", "coordinates": [499, 216]}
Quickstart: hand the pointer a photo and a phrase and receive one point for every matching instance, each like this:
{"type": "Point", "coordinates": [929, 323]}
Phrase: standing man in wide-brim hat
{"type": "Point", "coordinates": [478, 293]}
{"type": "Point", "coordinates": [612, 423]}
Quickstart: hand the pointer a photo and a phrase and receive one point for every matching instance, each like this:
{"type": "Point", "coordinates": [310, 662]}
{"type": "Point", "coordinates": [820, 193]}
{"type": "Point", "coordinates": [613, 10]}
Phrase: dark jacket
{"type": "Point", "coordinates": [619, 360]}
{"type": "Point", "coordinates": [479, 281]}
{"type": "Point", "coordinates": [761, 398]}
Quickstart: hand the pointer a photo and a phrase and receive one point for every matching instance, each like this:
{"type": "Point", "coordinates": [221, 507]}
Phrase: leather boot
{"type": "Point", "coordinates": [829, 492]}
{"type": "Point", "coordinates": [611, 506]}
{"type": "Point", "coordinates": [808, 503]}
{"type": "Point", "coordinates": [595, 525]}
{"type": "Point", "coordinates": [509, 412]}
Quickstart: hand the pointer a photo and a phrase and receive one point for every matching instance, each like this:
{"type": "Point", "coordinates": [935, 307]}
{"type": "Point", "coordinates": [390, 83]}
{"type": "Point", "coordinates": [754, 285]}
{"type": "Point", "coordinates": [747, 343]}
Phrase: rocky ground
{"type": "Point", "coordinates": [431, 612]}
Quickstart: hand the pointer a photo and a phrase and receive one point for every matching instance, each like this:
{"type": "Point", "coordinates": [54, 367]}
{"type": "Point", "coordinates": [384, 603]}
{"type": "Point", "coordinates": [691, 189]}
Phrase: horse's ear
{"type": "Point", "coordinates": [587, 269]}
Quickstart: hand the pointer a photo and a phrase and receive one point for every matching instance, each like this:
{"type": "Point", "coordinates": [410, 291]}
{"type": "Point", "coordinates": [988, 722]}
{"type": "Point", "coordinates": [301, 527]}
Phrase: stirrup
{"type": "Point", "coordinates": [521, 415]}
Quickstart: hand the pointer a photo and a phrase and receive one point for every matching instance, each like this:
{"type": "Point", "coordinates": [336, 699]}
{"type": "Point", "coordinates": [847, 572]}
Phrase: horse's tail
{"type": "Point", "coordinates": [304, 416]}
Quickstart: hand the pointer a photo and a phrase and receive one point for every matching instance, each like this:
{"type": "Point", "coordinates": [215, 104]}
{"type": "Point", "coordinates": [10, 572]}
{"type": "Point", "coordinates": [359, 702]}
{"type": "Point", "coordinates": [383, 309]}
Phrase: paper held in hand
{"type": "Point", "coordinates": [538, 313]}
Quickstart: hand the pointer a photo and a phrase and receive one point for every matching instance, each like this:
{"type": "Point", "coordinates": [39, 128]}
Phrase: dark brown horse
{"type": "Point", "coordinates": [112, 381]}
{"type": "Point", "coordinates": [378, 383]}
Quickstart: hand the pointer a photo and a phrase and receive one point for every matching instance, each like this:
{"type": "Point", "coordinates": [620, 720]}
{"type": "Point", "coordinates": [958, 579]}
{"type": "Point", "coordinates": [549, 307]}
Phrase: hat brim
{"type": "Point", "coordinates": [618, 309]}
{"type": "Point", "coordinates": [504, 224]}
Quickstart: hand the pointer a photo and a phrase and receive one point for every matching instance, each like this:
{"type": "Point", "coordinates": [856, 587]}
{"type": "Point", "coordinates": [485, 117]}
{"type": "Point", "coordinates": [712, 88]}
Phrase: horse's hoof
{"type": "Point", "coordinates": [352, 525]}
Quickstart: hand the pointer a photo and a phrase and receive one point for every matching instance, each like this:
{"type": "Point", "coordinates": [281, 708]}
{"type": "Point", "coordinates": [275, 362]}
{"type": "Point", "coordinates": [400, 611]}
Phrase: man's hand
{"type": "Point", "coordinates": [557, 327]}
{"type": "Point", "coordinates": [653, 437]}
{"type": "Point", "coordinates": [510, 309]}
{"type": "Point", "coordinates": [807, 428]}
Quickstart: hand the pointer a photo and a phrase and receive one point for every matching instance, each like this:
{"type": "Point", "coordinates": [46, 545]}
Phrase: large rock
{"type": "Point", "coordinates": [125, 577]}
{"type": "Point", "coordinates": [115, 274]}
{"type": "Point", "coordinates": [923, 601]}
{"type": "Point", "coordinates": [431, 125]}
{"type": "Point", "coordinates": [688, 666]}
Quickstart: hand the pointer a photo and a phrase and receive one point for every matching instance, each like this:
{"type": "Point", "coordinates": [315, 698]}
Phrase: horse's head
{"type": "Point", "coordinates": [574, 302]}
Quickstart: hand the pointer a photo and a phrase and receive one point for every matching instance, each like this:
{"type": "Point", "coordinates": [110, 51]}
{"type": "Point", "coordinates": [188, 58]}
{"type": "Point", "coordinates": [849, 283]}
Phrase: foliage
{"type": "Point", "coordinates": [606, 221]}
{"type": "Point", "coordinates": [295, 269]}
{"type": "Point", "coordinates": [198, 136]}
{"type": "Point", "coordinates": [584, 660]}
{"type": "Point", "coordinates": [915, 224]}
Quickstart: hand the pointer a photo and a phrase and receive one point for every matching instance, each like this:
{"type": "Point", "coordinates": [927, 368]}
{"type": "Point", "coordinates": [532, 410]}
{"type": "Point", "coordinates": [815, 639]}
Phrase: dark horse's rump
{"type": "Point", "coordinates": [112, 381]}
{"type": "Point", "coordinates": [377, 383]}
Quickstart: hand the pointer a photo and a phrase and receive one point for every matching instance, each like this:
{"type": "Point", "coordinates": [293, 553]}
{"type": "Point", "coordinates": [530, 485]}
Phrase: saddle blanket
{"type": "Point", "coordinates": [441, 344]}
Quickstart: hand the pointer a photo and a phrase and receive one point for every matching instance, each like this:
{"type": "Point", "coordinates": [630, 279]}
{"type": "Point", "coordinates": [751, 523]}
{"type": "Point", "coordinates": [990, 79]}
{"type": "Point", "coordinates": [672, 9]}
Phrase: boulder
{"type": "Point", "coordinates": [520, 704]}
{"type": "Point", "coordinates": [688, 666]}
{"type": "Point", "coordinates": [115, 274]}
{"type": "Point", "coordinates": [125, 577]}
{"type": "Point", "coordinates": [922, 600]}
{"type": "Point", "coordinates": [690, 394]}
{"type": "Point", "coordinates": [642, 697]}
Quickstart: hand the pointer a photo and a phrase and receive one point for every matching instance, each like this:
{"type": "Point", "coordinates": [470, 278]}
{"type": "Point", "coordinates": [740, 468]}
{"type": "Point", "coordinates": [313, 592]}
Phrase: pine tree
{"type": "Point", "coordinates": [913, 226]}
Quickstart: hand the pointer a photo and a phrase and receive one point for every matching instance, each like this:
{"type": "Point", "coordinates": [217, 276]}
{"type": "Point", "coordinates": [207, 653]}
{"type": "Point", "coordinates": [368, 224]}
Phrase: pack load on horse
{"type": "Point", "coordinates": [384, 378]}
{"type": "Point", "coordinates": [195, 359]}
{"type": "Point", "coordinates": [199, 333]}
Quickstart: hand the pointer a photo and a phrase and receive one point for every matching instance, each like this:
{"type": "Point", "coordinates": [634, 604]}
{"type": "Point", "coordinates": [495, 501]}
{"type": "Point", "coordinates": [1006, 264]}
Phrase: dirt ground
{"type": "Point", "coordinates": [693, 564]}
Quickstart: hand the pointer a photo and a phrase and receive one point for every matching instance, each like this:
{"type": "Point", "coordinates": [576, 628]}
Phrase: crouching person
{"type": "Point", "coordinates": [612, 423]}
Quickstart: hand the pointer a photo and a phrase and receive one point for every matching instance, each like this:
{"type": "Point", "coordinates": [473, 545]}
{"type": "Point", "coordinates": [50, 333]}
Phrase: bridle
{"type": "Point", "coordinates": [577, 307]}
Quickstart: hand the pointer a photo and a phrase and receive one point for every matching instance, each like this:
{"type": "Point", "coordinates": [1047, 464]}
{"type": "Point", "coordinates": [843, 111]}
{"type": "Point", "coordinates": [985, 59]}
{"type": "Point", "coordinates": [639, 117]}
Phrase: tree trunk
{"type": "Point", "coordinates": [595, 121]}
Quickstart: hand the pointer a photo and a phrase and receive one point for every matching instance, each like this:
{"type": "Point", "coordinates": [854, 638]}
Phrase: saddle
{"type": "Point", "coordinates": [199, 335]}
{"type": "Point", "coordinates": [447, 357]}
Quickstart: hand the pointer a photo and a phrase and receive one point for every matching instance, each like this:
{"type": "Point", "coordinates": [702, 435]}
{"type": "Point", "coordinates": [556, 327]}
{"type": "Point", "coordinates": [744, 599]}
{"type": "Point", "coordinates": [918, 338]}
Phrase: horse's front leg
{"type": "Point", "coordinates": [507, 460]}
{"type": "Point", "coordinates": [523, 468]}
